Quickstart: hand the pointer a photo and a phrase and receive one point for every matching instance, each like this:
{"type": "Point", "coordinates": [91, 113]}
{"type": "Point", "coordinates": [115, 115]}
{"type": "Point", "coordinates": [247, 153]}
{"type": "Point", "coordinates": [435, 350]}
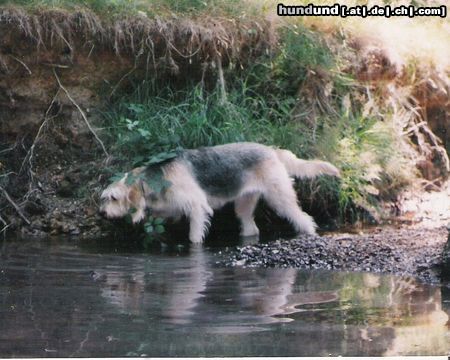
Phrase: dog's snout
{"type": "Point", "coordinates": [102, 212]}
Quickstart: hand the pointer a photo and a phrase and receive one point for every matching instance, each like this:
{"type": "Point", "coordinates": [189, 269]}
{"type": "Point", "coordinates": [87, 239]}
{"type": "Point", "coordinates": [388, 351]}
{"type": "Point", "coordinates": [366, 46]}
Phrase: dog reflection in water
{"type": "Point", "coordinates": [207, 178]}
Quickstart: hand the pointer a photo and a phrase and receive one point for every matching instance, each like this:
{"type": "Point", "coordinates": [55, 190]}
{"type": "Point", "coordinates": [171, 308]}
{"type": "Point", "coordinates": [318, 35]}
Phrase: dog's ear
{"type": "Point", "coordinates": [134, 195]}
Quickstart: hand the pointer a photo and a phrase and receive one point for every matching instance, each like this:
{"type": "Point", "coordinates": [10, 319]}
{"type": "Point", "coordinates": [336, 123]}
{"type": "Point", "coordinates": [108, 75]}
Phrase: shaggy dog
{"type": "Point", "coordinates": [207, 178]}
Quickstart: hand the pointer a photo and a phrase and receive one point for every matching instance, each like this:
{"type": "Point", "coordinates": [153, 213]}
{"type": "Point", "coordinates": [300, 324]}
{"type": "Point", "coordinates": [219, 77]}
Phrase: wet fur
{"type": "Point", "coordinates": [207, 178]}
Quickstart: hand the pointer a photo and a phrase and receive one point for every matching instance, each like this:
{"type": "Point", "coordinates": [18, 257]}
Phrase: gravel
{"type": "Point", "coordinates": [399, 251]}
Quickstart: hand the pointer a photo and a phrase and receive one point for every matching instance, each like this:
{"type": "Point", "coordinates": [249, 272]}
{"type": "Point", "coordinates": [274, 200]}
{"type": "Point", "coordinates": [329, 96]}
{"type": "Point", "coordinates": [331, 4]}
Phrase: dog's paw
{"type": "Point", "coordinates": [196, 239]}
{"type": "Point", "coordinates": [137, 217]}
{"type": "Point", "coordinates": [329, 169]}
{"type": "Point", "coordinates": [249, 230]}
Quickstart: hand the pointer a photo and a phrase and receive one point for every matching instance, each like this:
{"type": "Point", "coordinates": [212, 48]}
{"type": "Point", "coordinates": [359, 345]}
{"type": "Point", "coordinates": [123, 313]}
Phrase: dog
{"type": "Point", "coordinates": [207, 178]}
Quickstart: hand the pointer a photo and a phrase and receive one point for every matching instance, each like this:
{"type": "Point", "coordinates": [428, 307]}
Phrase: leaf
{"type": "Point", "coordinates": [137, 108]}
{"type": "Point", "coordinates": [131, 124]}
{"type": "Point", "coordinates": [164, 156]}
{"type": "Point", "coordinates": [148, 240]}
{"type": "Point", "coordinates": [116, 177]}
{"type": "Point", "coordinates": [128, 219]}
{"type": "Point", "coordinates": [143, 132]}
{"type": "Point", "coordinates": [160, 229]}
{"type": "Point", "coordinates": [158, 183]}
{"type": "Point", "coordinates": [137, 160]}
{"type": "Point", "coordinates": [130, 179]}
{"type": "Point", "coordinates": [158, 221]}
{"type": "Point", "coordinates": [161, 157]}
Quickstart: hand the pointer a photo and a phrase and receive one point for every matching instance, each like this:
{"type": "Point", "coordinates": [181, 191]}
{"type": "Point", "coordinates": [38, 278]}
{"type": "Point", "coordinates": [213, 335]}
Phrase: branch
{"type": "Point", "coordinates": [221, 80]}
{"type": "Point", "coordinates": [82, 113]}
{"type": "Point", "coordinates": [11, 201]}
{"type": "Point", "coordinates": [23, 64]}
{"type": "Point", "coordinates": [30, 152]}
{"type": "Point", "coordinates": [5, 225]}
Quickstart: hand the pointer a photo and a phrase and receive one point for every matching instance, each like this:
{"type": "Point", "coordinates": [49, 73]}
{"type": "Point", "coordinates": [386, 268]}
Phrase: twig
{"type": "Point", "coordinates": [121, 79]}
{"type": "Point", "coordinates": [56, 65]}
{"type": "Point", "coordinates": [23, 64]}
{"type": "Point", "coordinates": [11, 201]}
{"type": "Point", "coordinates": [82, 113]}
{"type": "Point", "coordinates": [7, 174]}
{"type": "Point", "coordinates": [5, 225]}
{"type": "Point", "coordinates": [30, 152]}
{"type": "Point", "coordinates": [9, 149]}
{"type": "Point", "coordinates": [90, 51]}
{"type": "Point", "coordinates": [221, 80]}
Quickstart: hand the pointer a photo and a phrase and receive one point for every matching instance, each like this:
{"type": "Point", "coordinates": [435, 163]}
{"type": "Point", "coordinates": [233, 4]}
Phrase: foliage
{"type": "Point", "coordinates": [194, 118]}
{"type": "Point", "coordinates": [153, 227]}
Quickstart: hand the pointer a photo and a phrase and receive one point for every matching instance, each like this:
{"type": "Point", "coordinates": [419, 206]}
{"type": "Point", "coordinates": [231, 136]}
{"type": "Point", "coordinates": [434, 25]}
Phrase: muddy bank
{"type": "Point", "coordinates": [402, 250]}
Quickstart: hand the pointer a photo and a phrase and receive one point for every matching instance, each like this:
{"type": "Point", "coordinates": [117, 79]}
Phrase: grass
{"type": "Point", "coordinates": [259, 105]}
{"type": "Point", "coordinates": [145, 123]}
{"type": "Point", "coordinates": [112, 8]}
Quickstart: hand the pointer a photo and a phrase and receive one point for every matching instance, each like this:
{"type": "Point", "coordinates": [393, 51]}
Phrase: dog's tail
{"type": "Point", "coordinates": [305, 168]}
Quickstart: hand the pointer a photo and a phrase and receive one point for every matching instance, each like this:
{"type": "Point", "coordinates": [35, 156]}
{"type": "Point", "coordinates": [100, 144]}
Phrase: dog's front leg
{"type": "Point", "coordinates": [199, 220]}
{"type": "Point", "coordinates": [139, 214]}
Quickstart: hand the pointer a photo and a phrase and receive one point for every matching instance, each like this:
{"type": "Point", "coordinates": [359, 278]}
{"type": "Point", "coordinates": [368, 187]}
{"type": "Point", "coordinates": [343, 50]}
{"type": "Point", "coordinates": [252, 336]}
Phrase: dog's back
{"type": "Point", "coordinates": [221, 170]}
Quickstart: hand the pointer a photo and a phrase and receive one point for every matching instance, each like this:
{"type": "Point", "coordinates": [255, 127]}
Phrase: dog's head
{"type": "Point", "coordinates": [119, 198]}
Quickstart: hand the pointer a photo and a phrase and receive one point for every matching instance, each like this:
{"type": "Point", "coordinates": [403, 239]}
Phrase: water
{"type": "Point", "coordinates": [62, 299]}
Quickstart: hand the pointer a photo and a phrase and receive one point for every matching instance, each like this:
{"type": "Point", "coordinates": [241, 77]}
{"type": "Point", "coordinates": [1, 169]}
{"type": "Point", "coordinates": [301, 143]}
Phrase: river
{"type": "Point", "coordinates": [68, 298]}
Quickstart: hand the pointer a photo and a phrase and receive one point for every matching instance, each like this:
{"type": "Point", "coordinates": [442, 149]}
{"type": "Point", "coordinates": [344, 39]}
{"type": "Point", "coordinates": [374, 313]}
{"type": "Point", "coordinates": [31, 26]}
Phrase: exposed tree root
{"type": "Point", "coordinates": [83, 115]}
{"type": "Point", "coordinates": [15, 206]}
{"type": "Point", "coordinates": [29, 156]}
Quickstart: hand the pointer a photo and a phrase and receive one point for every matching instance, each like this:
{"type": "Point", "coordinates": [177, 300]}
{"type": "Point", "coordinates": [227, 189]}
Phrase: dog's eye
{"type": "Point", "coordinates": [113, 198]}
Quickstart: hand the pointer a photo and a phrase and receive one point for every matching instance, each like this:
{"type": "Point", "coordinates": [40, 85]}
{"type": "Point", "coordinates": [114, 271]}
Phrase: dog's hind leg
{"type": "Point", "coordinates": [288, 208]}
{"type": "Point", "coordinates": [281, 196]}
{"type": "Point", "coordinates": [244, 208]}
{"type": "Point", "coordinates": [199, 220]}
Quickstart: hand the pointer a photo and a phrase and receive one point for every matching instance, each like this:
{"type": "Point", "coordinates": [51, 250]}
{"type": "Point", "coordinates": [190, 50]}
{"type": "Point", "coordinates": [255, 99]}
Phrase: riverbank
{"type": "Point", "coordinates": [399, 250]}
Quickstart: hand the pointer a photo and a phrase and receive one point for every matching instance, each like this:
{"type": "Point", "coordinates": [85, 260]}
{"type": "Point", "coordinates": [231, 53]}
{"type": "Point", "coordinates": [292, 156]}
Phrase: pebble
{"type": "Point", "coordinates": [405, 251]}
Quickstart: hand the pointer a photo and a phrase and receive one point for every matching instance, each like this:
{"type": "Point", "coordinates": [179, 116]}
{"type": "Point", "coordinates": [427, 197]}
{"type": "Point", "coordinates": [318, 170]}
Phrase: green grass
{"type": "Point", "coordinates": [146, 124]}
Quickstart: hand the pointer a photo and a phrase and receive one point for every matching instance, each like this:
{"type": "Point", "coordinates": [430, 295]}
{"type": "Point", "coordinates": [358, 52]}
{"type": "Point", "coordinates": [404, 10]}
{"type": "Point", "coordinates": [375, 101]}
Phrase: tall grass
{"type": "Point", "coordinates": [144, 123]}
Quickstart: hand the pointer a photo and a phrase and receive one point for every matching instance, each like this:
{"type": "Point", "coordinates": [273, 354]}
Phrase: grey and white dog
{"type": "Point", "coordinates": [207, 178]}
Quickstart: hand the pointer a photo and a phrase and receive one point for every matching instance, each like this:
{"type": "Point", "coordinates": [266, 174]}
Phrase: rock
{"type": "Point", "coordinates": [35, 207]}
{"type": "Point", "coordinates": [404, 251]}
{"type": "Point", "coordinates": [66, 188]}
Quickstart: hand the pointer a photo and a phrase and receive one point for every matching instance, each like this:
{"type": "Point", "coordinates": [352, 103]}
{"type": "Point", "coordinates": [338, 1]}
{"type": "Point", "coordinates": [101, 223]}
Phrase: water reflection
{"type": "Point", "coordinates": [178, 288]}
{"type": "Point", "coordinates": [57, 299]}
